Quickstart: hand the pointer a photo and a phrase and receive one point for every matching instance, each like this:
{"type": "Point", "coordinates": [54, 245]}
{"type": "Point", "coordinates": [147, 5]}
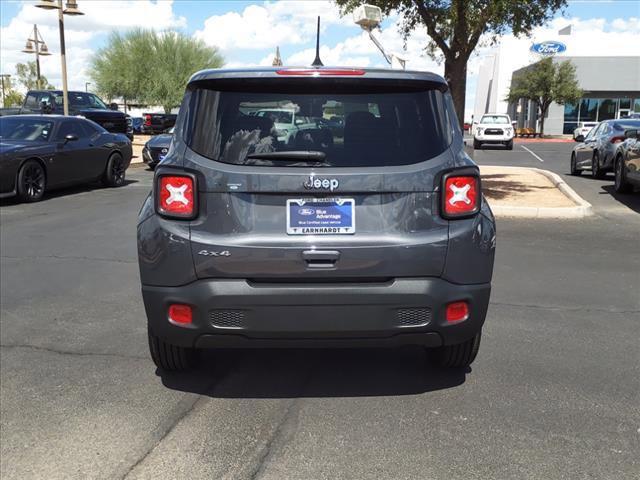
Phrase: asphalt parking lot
{"type": "Point", "coordinates": [554, 392]}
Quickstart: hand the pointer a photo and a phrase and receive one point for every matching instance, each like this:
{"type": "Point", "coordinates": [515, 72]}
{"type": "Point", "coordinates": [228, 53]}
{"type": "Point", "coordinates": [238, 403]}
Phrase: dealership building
{"type": "Point", "coordinates": [611, 89]}
{"type": "Point", "coordinates": [610, 84]}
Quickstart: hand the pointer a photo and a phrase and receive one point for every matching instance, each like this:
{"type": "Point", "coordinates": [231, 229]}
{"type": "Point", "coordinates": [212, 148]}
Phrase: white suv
{"type": "Point", "coordinates": [583, 130]}
{"type": "Point", "coordinates": [493, 128]}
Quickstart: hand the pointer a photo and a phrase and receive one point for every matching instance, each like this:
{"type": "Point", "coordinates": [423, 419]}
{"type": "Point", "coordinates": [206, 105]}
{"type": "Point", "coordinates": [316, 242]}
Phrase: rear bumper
{"type": "Point", "coordinates": [238, 313]}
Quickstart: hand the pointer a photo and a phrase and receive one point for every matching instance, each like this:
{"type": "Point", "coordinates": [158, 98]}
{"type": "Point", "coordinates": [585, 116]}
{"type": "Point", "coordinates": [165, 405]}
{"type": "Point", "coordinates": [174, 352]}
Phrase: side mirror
{"type": "Point", "coordinates": [631, 133]}
{"type": "Point", "coordinates": [580, 138]}
{"type": "Point", "coordinates": [113, 106]}
{"type": "Point", "coordinates": [70, 138]}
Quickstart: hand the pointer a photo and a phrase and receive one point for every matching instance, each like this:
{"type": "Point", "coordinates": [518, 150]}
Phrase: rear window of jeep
{"type": "Point", "coordinates": [348, 126]}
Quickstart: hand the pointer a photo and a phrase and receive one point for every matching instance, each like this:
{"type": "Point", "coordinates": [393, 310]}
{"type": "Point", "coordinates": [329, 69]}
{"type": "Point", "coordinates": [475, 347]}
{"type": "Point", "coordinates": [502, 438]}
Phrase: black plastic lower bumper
{"type": "Point", "coordinates": [239, 313]}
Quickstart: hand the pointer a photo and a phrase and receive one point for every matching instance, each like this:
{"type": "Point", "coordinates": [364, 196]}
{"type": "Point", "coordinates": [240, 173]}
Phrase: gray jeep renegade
{"type": "Point", "coordinates": [320, 207]}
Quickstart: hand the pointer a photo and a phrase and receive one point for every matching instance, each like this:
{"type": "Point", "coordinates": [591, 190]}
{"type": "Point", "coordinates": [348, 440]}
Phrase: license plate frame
{"type": "Point", "coordinates": [336, 216]}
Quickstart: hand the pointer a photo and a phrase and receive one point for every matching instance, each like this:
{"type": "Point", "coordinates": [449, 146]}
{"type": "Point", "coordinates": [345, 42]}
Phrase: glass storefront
{"type": "Point", "coordinates": [596, 110]}
{"type": "Point", "coordinates": [607, 109]}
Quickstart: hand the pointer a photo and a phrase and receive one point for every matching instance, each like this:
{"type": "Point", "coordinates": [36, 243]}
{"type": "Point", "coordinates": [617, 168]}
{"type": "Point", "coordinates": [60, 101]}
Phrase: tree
{"type": "Point", "coordinates": [27, 74]}
{"type": "Point", "coordinates": [545, 82]}
{"type": "Point", "coordinates": [11, 97]}
{"type": "Point", "coordinates": [456, 26]}
{"type": "Point", "coordinates": [150, 67]}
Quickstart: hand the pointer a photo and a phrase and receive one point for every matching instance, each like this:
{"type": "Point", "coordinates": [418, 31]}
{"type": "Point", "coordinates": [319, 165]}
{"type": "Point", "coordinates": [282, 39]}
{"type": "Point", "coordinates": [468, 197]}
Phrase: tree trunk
{"type": "Point", "coordinates": [543, 112]}
{"type": "Point", "coordinates": [455, 72]}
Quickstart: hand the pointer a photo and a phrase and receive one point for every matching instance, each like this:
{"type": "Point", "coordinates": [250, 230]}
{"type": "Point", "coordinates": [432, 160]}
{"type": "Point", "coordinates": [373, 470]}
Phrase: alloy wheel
{"type": "Point", "coordinates": [117, 170]}
{"type": "Point", "coordinates": [33, 181]}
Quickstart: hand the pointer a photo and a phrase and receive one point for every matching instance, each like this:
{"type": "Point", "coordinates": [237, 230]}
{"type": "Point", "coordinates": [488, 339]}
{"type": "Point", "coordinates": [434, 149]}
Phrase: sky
{"type": "Point", "coordinates": [247, 33]}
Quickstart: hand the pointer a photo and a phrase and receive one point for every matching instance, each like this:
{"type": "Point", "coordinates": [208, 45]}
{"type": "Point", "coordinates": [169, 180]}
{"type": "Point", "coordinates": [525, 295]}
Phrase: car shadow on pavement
{"type": "Point", "coordinates": [294, 373]}
{"type": "Point", "coordinates": [64, 192]}
{"type": "Point", "coordinates": [630, 200]}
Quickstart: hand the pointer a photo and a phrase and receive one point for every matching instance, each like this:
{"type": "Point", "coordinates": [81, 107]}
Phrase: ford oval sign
{"type": "Point", "coordinates": [548, 48]}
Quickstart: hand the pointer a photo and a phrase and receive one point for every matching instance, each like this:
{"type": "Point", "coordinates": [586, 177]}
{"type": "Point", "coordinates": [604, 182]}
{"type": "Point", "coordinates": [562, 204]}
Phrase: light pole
{"type": "Point", "coordinates": [86, 86]}
{"type": "Point", "coordinates": [71, 8]}
{"type": "Point", "coordinates": [36, 45]}
{"type": "Point", "coordinates": [4, 76]}
{"type": "Point", "coordinates": [369, 17]}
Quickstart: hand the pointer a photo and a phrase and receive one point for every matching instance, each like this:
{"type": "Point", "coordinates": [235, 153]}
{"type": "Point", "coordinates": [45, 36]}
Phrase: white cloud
{"type": "Point", "coordinates": [269, 25]}
{"type": "Point", "coordinates": [100, 17]}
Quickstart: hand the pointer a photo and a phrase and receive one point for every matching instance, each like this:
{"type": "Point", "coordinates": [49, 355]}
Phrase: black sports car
{"type": "Point", "coordinates": [42, 152]}
{"type": "Point", "coordinates": [156, 148]}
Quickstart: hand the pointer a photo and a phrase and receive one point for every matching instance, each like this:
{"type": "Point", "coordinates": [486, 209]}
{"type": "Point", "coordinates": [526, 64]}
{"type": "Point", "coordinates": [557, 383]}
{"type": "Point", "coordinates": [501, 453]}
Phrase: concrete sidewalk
{"type": "Point", "coordinates": [530, 193]}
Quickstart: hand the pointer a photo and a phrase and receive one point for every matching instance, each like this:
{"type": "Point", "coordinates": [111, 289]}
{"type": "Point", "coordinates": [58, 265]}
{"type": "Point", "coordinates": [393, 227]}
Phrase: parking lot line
{"type": "Point", "coordinates": [532, 153]}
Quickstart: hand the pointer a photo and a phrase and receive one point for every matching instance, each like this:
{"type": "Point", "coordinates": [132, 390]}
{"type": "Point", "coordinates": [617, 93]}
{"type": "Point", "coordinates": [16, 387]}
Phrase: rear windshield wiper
{"type": "Point", "coordinates": [291, 156]}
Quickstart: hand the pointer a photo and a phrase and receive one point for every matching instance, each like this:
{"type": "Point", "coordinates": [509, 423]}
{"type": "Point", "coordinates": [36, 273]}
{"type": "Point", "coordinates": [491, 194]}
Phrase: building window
{"type": "Point", "coordinates": [589, 109]}
{"type": "Point", "coordinates": [625, 103]}
{"type": "Point", "coordinates": [569, 127]}
{"type": "Point", "coordinates": [570, 112]}
{"type": "Point", "coordinates": [636, 105]}
{"type": "Point", "coordinates": [607, 109]}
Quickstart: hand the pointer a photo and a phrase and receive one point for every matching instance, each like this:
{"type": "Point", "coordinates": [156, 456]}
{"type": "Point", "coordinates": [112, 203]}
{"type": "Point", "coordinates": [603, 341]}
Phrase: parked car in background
{"type": "Point", "coordinates": [287, 122]}
{"type": "Point", "coordinates": [43, 152]}
{"type": "Point", "coordinates": [597, 152]}
{"type": "Point", "coordinates": [136, 124]}
{"type": "Point", "coordinates": [87, 105]}
{"type": "Point", "coordinates": [155, 123]}
{"type": "Point", "coordinates": [583, 130]}
{"type": "Point", "coordinates": [495, 129]}
{"type": "Point", "coordinates": [10, 111]}
{"type": "Point", "coordinates": [380, 239]}
{"type": "Point", "coordinates": [626, 164]}
{"type": "Point", "coordinates": [156, 148]}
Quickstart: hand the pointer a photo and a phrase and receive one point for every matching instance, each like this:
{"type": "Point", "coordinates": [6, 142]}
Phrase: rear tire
{"type": "Point", "coordinates": [574, 166]}
{"type": "Point", "coordinates": [115, 172]}
{"type": "Point", "coordinates": [458, 355]}
{"type": "Point", "coordinates": [31, 181]}
{"type": "Point", "coordinates": [171, 358]}
{"type": "Point", "coordinates": [596, 171]}
{"type": "Point", "coordinates": [476, 144]}
{"type": "Point", "coordinates": [621, 185]}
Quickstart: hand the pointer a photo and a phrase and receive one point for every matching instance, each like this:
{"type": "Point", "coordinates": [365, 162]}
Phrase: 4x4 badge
{"type": "Point", "coordinates": [324, 183]}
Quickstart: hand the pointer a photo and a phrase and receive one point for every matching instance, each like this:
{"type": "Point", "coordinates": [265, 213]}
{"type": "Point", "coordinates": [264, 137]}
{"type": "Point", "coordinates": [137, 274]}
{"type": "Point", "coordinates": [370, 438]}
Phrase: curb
{"type": "Point", "coordinates": [581, 210]}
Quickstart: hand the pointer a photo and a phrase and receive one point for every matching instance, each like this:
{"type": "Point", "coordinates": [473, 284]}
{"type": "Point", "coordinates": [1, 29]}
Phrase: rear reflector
{"type": "Point", "coordinates": [317, 72]}
{"type": "Point", "coordinates": [181, 314]}
{"type": "Point", "coordinates": [176, 196]}
{"type": "Point", "coordinates": [457, 312]}
{"type": "Point", "coordinates": [461, 196]}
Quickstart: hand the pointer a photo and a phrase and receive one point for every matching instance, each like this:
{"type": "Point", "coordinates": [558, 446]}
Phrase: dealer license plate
{"type": "Point", "coordinates": [321, 216]}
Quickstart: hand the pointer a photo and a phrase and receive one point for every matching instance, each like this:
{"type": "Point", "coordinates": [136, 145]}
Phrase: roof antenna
{"type": "Point", "coordinates": [317, 62]}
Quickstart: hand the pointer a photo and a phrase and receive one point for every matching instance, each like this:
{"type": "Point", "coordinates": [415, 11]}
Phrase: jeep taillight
{"type": "Point", "coordinates": [461, 196]}
{"type": "Point", "coordinates": [147, 120]}
{"type": "Point", "coordinates": [176, 196]}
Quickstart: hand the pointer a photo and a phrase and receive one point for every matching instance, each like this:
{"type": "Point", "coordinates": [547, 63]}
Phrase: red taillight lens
{"type": "Point", "coordinates": [317, 72]}
{"type": "Point", "coordinates": [461, 196]}
{"type": "Point", "coordinates": [176, 196]}
{"type": "Point", "coordinates": [457, 312]}
{"type": "Point", "coordinates": [147, 120]}
{"type": "Point", "coordinates": [181, 314]}
{"type": "Point", "coordinates": [617, 139]}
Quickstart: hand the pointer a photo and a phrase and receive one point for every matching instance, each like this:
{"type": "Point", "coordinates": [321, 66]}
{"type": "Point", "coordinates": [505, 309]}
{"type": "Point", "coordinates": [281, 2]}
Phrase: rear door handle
{"type": "Point", "coordinates": [321, 258]}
